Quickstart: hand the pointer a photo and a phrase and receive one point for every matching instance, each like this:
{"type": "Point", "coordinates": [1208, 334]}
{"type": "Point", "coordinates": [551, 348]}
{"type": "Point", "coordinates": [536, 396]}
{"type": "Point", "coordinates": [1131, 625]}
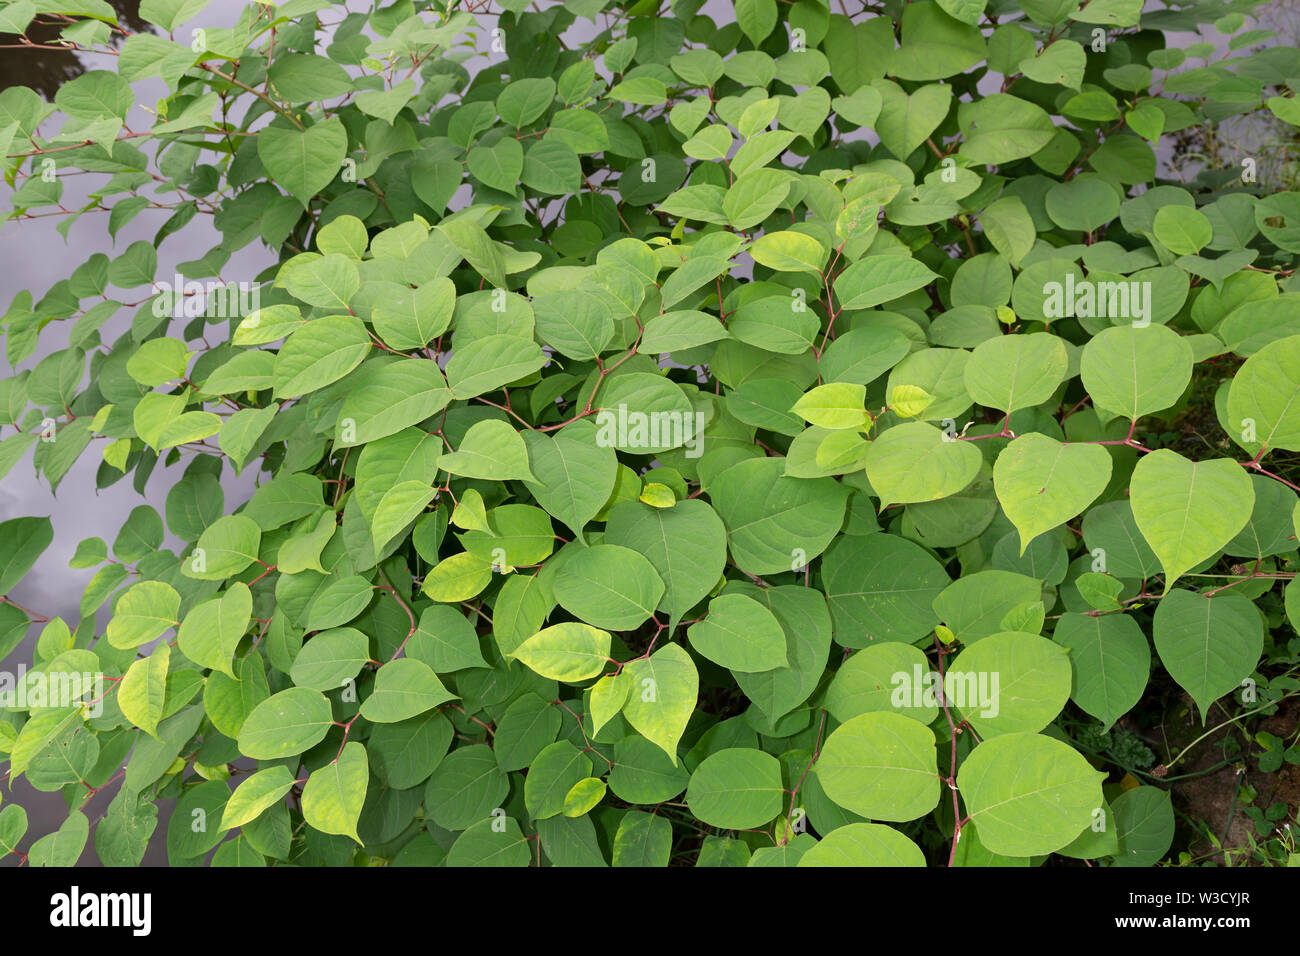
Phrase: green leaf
{"type": "Point", "coordinates": [529, 725]}
{"type": "Point", "coordinates": [1062, 62]}
{"type": "Point", "coordinates": [864, 844]}
{"type": "Point", "coordinates": [974, 605]}
{"type": "Point", "coordinates": [643, 773]}
{"type": "Point", "coordinates": [712, 142]}
{"type": "Point", "coordinates": [934, 44]}
{"type": "Point", "coordinates": [13, 826]}
{"type": "Point", "coordinates": [1182, 230]}
{"type": "Point", "coordinates": [330, 659]}
{"type": "Point", "coordinates": [268, 325]}
{"type": "Point", "coordinates": [640, 90]}
{"type": "Point", "coordinates": [1118, 13]}
{"type": "Point", "coordinates": [584, 796]}
{"type": "Point", "coordinates": [404, 688]}
{"type": "Point", "coordinates": [858, 52]}
{"type": "Point", "coordinates": [836, 405]}
{"type": "Point", "coordinates": [1008, 225]}
{"type": "Point", "coordinates": [457, 578]}
{"type": "Point", "coordinates": [247, 371]}
{"type": "Point", "coordinates": [607, 698]}
{"type": "Point", "coordinates": [736, 789]}
{"type": "Point", "coordinates": [881, 587]}
{"type": "Point", "coordinates": [17, 16]}
{"type": "Point", "coordinates": [1028, 794]}
{"type": "Point", "coordinates": [878, 279]}
{"type": "Point", "coordinates": [686, 544]}
{"type": "Point", "coordinates": [64, 846]}
{"type": "Point", "coordinates": [553, 774]}
{"type": "Point", "coordinates": [1262, 396]}
{"type": "Point", "coordinates": [227, 547]}
{"type": "Point", "coordinates": [96, 94]}
{"type": "Point", "coordinates": [775, 324]}
{"type": "Point", "coordinates": [285, 724]}
{"type": "Point", "coordinates": [1111, 663]}
{"type": "Point", "coordinates": [643, 839]}
{"type": "Point", "coordinates": [523, 101]}
{"type": "Point", "coordinates": [802, 614]}
{"type": "Point", "coordinates": [143, 612]}
{"type": "Point", "coordinates": [406, 753]}
{"type": "Point", "coordinates": [413, 318]}
{"type": "Point", "coordinates": [967, 11]}
{"type": "Point", "coordinates": [257, 794]}
{"type": "Point", "coordinates": [386, 104]}
{"type": "Point", "coordinates": [757, 18]}
{"type": "Point", "coordinates": [490, 362]}
{"type": "Point", "coordinates": [498, 165]}
{"type": "Point", "coordinates": [212, 630]}
{"type": "Point", "coordinates": [863, 354]}
{"type": "Point", "coordinates": [570, 652]}
{"type": "Point", "coordinates": [1208, 644]}
{"type": "Point", "coordinates": [662, 693]}
{"type": "Point", "coordinates": [389, 397]}
{"type": "Point", "coordinates": [1187, 511]}
{"type": "Point", "coordinates": [305, 77]}
{"type": "Point", "coordinates": [1082, 204]}
{"type": "Point", "coordinates": [398, 508]}
{"type": "Point", "coordinates": [303, 161]}
{"type": "Point", "coordinates": [1011, 372]}
{"type": "Point", "coordinates": [1144, 824]}
{"type": "Point", "coordinates": [789, 252]}
{"type": "Point", "coordinates": [576, 323]}
{"type": "Point", "coordinates": [1001, 128]}
{"type": "Point", "coordinates": [22, 541]}
{"type": "Point", "coordinates": [771, 519]}
{"type": "Point", "coordinates": [158, 361]}
{"type": "Point", "coordinates": [122, 836]}
{"type": "Point", "coordinates": [491, 449]}
{"type": "Point", "coordinates": [445, 640]}
{"type": "Point", "coordinates": [329, 282]}
{"type": "Point", "coordinates": [1042, 483]}
{"type": "Point", "coordinates": [908, 120]}
{"type": "Point", "coordinates": [142, 689]}
{"type": "Point", "coordinates": [1111, 534]}
{"type": "Point", "coordinates": [465, 789]}
{"type": "Point", "coordinates": [319, 354]}
{"type": "Point", "coordinates": [488, 844]}
{"type": "Point", "coordinates": [1134, 371]}
{"type": "Point", "coordinates": [917, 462]}
{"type": "Point", "coordinates": [573, 473]}
{"type": "Point", "coordinates": [872, 680]}
{"type": "Point", "coordinates": [740, 634]}
{"type": "Point", "coordinates": [754, 196]}
{"type": "Point", "coordinates": [1100, 591]}
{"type": "Point", "coordinates": [610, 586]}
{"type": "Point", "coordinates": [881, 765]}
{"type": "Point", "coordinates": [333, 795]}
{"type": "Point", "coordinates": [1010, 683]}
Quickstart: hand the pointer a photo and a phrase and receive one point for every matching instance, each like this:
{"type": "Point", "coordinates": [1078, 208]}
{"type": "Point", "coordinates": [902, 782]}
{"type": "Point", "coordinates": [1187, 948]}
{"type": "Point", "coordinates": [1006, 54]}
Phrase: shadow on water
{"type": "Point", "coordinates": [45, 69]}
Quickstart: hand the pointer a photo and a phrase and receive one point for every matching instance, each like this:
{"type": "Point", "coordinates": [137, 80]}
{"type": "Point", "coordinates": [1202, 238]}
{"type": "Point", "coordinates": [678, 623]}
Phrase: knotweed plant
{"type": "Point", "coordinates": [727, 434]}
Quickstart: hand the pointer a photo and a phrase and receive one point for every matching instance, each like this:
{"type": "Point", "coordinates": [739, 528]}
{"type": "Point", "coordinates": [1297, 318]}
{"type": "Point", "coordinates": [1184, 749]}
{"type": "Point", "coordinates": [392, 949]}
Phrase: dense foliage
{"type": "Point", "coordinates": [741, 440]}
